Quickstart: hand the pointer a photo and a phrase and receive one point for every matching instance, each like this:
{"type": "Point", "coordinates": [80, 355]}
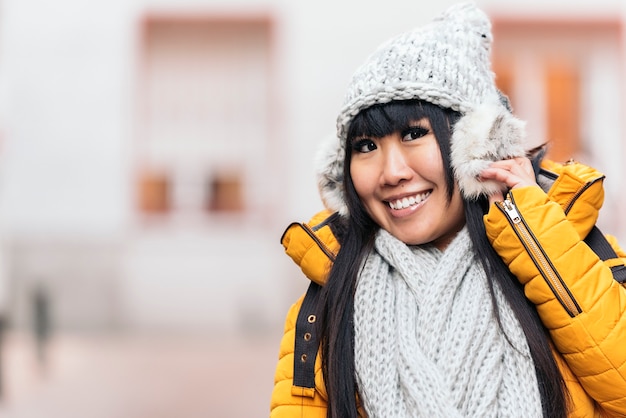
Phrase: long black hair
{"type": "Point", "coordinates": [356, 234]}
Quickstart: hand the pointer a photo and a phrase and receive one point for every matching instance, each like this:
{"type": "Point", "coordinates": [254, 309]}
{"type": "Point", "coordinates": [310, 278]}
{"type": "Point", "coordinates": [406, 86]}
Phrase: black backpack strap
{"type": "Point", "coordinates": [307, 342]}
{"type": "Point", "coordinates": [598, 243]}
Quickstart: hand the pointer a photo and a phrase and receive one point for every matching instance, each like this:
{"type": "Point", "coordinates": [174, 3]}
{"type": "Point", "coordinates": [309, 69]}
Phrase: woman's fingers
{"type": "Point", "coordinates": [512, 173]}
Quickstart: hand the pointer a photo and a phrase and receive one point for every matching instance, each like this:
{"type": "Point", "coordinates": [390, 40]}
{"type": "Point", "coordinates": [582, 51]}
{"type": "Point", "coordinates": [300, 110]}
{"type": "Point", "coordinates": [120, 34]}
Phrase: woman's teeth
{"type": "Point", "coordinates": [408, 201]}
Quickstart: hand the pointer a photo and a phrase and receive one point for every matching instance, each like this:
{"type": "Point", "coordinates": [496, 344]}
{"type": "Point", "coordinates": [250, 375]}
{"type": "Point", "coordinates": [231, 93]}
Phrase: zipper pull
{"type": "Point", "coordinates": [511, 211]}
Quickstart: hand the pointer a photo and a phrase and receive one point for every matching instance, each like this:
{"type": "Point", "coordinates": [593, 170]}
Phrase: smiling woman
{"type": "Point", "coordinates": [400, 174]}
{"type": "Point", "coordinates": [444, 280]}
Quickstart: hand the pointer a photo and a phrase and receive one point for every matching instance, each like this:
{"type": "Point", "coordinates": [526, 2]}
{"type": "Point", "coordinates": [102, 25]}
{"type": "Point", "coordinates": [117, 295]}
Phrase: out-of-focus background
{"type": "Point", "coordinates": [153, 151]}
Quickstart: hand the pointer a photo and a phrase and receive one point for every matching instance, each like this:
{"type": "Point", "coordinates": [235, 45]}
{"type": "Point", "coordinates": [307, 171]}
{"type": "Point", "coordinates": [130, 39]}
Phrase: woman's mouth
{"type": "Point", "coordinates": [408, 201]}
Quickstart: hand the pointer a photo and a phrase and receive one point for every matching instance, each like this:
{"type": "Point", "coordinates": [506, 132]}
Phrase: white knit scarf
{"type": "Point", "coordinates": [427, 343]}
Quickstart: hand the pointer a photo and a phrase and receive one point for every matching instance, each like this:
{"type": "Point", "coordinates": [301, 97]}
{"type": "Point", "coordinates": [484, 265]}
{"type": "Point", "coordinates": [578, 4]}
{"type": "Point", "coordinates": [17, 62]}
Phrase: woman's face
{"type": "Point", "coordinates": [401, 181]}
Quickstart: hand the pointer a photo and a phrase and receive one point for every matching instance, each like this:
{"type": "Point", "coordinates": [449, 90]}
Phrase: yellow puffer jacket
{"type": "Point", "coordinates": [539, 235]}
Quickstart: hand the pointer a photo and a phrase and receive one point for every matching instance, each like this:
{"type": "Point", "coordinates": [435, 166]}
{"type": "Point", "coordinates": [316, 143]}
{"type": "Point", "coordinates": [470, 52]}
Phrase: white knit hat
{"type": "Point", "coordinates": [447, 63]}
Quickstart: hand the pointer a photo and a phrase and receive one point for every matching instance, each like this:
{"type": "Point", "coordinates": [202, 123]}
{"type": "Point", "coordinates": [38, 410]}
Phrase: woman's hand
{"type": "Point", "coordinates": [512, 173]}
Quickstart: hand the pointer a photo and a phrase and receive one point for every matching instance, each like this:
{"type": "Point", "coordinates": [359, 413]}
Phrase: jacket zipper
{"type": "Point", "coordinates": [538, 256]}
{"type": "Point", "coordinates": [319, 242]}
{"type": "Point", "coordinates": [580, 191]}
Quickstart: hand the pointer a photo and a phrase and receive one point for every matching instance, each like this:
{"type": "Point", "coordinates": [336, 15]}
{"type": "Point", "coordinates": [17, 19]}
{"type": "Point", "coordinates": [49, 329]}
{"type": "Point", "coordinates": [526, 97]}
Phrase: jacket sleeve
{"type": "Point", "coordinates": [578, 300]}
{"type": "Point", "coordinates": [289, 401]}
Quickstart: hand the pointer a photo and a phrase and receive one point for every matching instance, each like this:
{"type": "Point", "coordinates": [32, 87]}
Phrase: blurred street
{"type": "Point", "coordinates": [139, 377]}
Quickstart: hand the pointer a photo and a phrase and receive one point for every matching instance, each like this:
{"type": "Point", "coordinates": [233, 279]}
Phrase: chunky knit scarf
{"type": "Point", "coordinates": [427, 343]}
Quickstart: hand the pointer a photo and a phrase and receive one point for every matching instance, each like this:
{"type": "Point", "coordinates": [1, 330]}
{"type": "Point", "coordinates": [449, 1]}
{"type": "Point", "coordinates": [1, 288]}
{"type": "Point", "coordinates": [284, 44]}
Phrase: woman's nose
{"type": "Point", "coordinates": [396, 166]}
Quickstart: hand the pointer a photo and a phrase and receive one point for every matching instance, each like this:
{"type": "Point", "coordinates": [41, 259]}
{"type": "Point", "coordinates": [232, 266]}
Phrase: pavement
{"type": "Point", "coordinates": [131, 376]}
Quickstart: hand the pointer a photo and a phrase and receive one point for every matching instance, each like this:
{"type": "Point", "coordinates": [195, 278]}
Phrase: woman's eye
{"type": "Point", "coordinates": [363, 145]}
{"type": "Point", "coordinates": [414, 133]}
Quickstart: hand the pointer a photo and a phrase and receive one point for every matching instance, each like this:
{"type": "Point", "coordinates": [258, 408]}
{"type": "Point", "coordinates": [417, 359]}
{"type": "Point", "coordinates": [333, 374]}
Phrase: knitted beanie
{"type": "Point", "coordinates": [447, 63]}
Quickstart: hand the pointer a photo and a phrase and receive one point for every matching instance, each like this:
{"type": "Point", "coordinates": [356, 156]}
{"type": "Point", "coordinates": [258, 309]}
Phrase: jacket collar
{"type": "Point", "coordinates": [312, 245]}
{"type": "Point", "coordinates": [579, 190]}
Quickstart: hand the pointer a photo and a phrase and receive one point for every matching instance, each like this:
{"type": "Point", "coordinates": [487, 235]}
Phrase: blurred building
{"type": "Point", "coordinates": [153, 151]}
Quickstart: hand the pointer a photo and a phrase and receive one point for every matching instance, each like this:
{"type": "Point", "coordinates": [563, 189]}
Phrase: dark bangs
{"type": "Point", "coordinates": [381, 120]}
{"type": "Point", "coordinates": [384, 119]}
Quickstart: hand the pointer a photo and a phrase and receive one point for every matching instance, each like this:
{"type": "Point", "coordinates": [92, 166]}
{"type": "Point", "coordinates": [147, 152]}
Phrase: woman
{"type": "Point", "coordinates": [446, 281]}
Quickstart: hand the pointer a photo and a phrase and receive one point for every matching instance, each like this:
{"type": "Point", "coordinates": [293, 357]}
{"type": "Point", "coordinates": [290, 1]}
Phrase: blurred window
{"type": "Point", "coordinates": [204, 105]}
{"type": "Point", "coordinates": [563, 109]}
{"type": "Point", "coordinates": [550, 70]}
{"type": "Point", "coordinates": [154, 193]}
{"type": "Point", "coordinates": [226, 193]}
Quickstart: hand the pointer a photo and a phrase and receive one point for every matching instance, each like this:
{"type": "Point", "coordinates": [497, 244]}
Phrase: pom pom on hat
{"type": "Point", "coordinates": [447, 63]}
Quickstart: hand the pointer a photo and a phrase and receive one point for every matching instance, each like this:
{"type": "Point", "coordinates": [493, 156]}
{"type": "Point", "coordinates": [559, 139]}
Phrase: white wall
{"type": "Point", "coordinates": [67, 69]}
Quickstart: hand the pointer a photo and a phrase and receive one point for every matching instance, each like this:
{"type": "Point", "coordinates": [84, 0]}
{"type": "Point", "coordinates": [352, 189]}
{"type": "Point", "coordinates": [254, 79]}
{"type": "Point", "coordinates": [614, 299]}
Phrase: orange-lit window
{"type": "Point", "coordinates": [563, 109]}
{"type": "Point", "coordinates": [226, 193]}
{"type": "Point", "coordinates": [154, 193]}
